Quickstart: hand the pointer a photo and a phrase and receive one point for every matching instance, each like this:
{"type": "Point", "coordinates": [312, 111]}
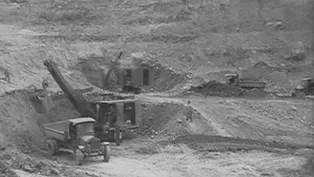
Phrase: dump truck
{"type": "Point", "coordinates": [306, 87]}
{"type": "Point", "coordinates": [76, 134]}
{"type": "Point", "coordinates": [234, 80]}
{"type": "Point", "coordinates": [103, 112]}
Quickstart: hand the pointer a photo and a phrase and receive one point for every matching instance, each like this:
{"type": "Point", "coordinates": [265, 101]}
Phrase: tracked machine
{"type": "Point", "coordinates": [234, 80]}
{"type": "Point", "coordinates": [306, 87]}
{"type": "Point", "coordinates": [112, 117]}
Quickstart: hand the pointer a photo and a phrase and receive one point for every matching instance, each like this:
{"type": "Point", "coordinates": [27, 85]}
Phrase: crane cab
{"type": "Point", "coordinates": [119, 116]}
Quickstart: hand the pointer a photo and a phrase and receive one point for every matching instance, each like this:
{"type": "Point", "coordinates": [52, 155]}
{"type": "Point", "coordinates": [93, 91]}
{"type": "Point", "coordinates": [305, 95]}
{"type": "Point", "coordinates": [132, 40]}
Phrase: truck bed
{"type": "Point", "coordinates": [252, 84]}
{"type": "Point", "coordinates": [57, 130]}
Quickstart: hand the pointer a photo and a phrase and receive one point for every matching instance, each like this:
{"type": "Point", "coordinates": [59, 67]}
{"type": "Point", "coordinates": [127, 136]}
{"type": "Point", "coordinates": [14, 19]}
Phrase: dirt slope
{"type": "Point", "coordinates": [266, 120]}
{"type": "Point", "coordinates": [208, 38]}
{"type": "Point", "coordinates": [22, 125]}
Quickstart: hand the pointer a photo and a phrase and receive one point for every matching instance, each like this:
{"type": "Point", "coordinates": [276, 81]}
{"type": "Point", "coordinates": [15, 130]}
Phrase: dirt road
{"type": "Point", "coordinates": [179, 160]}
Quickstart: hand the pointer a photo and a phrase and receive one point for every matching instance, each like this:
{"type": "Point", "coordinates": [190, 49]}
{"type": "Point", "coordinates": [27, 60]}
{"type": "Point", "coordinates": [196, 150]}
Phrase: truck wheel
{"type": "Point", "coordinates": [52, 147]}
{"type": "Point", "coordinates": [79, 156]}
{"type": "Point", "coordinates": [300, 95]}
{"type": "Point", "coordinates": [106, 153]}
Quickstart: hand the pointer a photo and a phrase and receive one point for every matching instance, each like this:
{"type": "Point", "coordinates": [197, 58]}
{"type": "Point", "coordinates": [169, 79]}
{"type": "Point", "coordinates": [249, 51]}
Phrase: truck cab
{"type": "Point", "coordinates": [81, 131]}
{"type": "Point", "coordinates": [77, 134]}
{"type": "Point", "coordinates": [233, 79]}
{"type": "Point", "coordinates": [306, 87]}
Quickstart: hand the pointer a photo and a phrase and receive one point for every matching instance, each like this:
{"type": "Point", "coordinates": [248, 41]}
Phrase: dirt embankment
{"type": "Point", "coordinates": [288, 121]}
{"type": "Point", "coordinates": [21, 131]}
{"type": "Point", "coordinates": [20, 124]}
{"type": "Point", "coordinates": [254, 125]}
{"type": "Point", "coordinates": [167, 121]}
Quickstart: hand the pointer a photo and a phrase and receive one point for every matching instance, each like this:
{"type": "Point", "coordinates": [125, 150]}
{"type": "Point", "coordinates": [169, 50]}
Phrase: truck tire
{"type": "Point", "coordinates": [79, 156]}
{"type": "Point", "coordinates": [300, 95]}
{"type": "Point", "coordinates": [106, 153]}
{"type": "Point", "coordinates": [52, 147]}
{"type": "Point", "coordinates": [293, 94]}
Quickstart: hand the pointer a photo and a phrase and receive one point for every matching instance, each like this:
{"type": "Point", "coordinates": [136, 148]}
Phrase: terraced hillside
{"type": "Point", "coordinates": [186, 42]}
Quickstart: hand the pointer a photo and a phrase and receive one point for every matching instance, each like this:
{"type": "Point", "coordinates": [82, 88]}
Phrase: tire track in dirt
{"type": "Point", "coordinates": [199, 142]}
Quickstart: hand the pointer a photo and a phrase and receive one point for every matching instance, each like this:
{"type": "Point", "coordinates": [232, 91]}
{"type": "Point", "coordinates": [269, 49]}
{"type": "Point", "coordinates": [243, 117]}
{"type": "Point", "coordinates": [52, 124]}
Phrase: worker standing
{"type": "Point", "coordinates": [189, 113]}
{"type": "Point", "coordinates": [7, 75]}
{"type": "Point", "coordinates": [102, 77]}
{"type": "Point", "coordinates": [45, 84]}
{"type": "Point", "coordinates": [106, 127]}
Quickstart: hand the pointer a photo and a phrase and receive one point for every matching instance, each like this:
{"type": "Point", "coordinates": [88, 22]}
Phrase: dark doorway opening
{"type": "Point", "coordinates": [146, 77]}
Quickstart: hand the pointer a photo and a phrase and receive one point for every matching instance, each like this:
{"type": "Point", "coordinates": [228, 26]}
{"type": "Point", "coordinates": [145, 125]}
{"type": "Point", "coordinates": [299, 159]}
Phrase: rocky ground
{"type": "Point", "coordinates": [186, 44]}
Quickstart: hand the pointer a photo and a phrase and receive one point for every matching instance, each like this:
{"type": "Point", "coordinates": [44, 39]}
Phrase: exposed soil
{"type": "Point", "coordinates": [186, 43]}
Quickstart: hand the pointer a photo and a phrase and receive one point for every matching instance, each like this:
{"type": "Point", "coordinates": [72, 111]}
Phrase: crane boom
{"type": "Point", "coordinates": [78, 101]}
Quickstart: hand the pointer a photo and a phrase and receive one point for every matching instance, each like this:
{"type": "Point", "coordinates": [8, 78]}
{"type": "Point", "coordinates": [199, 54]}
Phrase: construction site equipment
{"type": "Point", "coordinates": [234, 80]}
{"type": "Point", "coordinates": [40, 99]}
{"type": "Point", "coordinates": [306, 87]}
{"type": "Point", "coordinates": [133, 79]}
{"type": "Point", "coordinates": [120, 115]}
{"type": "Point", "coordinates": [111, 96]}
{"type": "Point", "coordinates": [113, 67]}
{"type": "Point", "coordinates": [129, 87]}
{"type": "Point", "coordinates": [78, 135]}
{"type": "Point", "coordinates": [96, 110]}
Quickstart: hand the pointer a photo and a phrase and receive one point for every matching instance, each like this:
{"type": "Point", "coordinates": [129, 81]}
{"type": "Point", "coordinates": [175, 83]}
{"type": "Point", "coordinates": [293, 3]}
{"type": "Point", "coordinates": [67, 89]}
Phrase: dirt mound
{"type": "Point", "coordinates": [164, 78]}
{"type": "Point", "coordinates": [167, 120]}
{"type": "Point", "coordinates": [21, 125]}
{"type": "Point", "coordinates": [266, 120]}
{"type": "Point", "coordinates": [11, 159]}
{"type": "Point", "coordinates": [157, 119]}
{"type": "Point", "coordinates": [22, 142]}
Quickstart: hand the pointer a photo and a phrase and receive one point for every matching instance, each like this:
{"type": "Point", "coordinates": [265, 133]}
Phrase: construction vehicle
{"type": "Point", "coordinates": [234, 80]}
{"type": "Point", "coordinates": [76, 134]}
{"type": "Point", "coordinates": [104, 112]}
{"type": "Point", "coordinates": [135, 80]}
{"type": "Point", "coordinates": [130, 79]}
{"type": "Point", "coordinates": [40, 98]}
{"type": "Point", "coordinates": [306, 87]}
{"type": "Point", "coordinates": [120, 115]}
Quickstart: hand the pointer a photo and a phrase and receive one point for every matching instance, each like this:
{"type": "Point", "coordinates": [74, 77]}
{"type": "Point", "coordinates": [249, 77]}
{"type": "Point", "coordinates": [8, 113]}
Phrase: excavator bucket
{"type": "Point", "coordinates": [41, 101]}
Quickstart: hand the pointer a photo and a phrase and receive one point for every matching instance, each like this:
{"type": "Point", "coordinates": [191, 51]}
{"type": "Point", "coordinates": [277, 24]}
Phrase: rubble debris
{"type": "Point", "coordinates": [294, 108]}
{"type": "Point", "coordinates": [298, 53]}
